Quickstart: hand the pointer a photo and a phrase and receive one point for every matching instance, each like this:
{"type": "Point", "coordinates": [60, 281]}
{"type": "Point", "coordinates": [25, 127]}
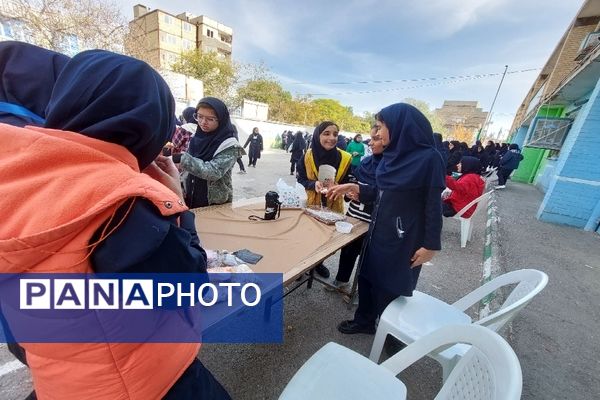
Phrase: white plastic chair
{"type": "Point", "coordinates": [489, 371]}
{"type": "Point", "coordinates": [466, 227]}
{"type": "Point", "coordinates": [410, 318]}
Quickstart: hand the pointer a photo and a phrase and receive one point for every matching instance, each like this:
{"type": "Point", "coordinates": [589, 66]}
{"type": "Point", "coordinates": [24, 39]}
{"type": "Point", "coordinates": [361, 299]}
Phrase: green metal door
{"type": "Point", "coordinates": [529, 166]}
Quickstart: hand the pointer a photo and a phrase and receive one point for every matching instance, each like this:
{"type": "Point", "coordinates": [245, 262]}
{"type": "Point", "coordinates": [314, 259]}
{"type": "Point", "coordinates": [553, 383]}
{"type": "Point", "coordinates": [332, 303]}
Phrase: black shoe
{"type": "Point", "coordinates": [349, 327]}
{"type": "Point", "coordinates": [322, 270]}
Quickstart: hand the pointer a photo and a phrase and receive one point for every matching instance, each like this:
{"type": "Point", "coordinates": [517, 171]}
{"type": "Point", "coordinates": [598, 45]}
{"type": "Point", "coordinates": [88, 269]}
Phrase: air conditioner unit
{"type": "Point", "coordinates": [590, 42]}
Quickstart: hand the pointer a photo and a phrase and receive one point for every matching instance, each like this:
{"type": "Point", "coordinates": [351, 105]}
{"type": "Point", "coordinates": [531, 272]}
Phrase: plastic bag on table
{"type": "Point", "coordinates": [291, 196]}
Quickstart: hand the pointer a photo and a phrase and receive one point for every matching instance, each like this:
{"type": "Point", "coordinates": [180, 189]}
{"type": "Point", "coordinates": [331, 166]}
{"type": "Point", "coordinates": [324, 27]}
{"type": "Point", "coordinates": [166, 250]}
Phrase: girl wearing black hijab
{"type": "Point", "coordinates": [406, 224]}
{"type": "Point", "coordinates": [211, 156]}
{"type": "Point", "coordinates": [27, 77]}
{"type": "Point", "coordinates": [297, 151]}
{"type": "Point", "coordinates": [465, 189]}
{"type": "Point", "coordinates": [255, 140]}
{"type": "Point", "coordinates": [366, 176]}
{"type": "Point", "coordinates": [454, 156]}
{"type": "Point", "coordinates": [323, 151]}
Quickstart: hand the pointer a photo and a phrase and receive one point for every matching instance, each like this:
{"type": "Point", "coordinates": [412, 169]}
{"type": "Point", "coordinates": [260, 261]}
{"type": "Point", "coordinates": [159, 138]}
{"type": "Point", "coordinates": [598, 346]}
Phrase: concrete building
{"type": "Point", "coordinates": [457, 114]}
{"type": "Point", "coordinates": [558, 126]}
{"type": "Point", "coordinates": [161, 37]}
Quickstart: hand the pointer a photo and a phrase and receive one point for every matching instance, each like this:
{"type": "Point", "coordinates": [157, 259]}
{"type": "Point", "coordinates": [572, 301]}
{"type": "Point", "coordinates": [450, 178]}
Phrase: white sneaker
{"type": "Point", "coordinates": [242, 172]}
{"type": "Point", "coordinates": [336, 286]}
{"type": "Point", "coordinates": [500, 187]}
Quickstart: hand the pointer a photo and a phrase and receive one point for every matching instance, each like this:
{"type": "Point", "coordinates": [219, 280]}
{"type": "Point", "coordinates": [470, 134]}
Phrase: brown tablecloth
{"type": "Point", "coordinates": [290, 245]}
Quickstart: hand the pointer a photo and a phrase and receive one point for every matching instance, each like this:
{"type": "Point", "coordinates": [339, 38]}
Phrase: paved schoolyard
{"type": "Point", "coordinates": [555, 337]}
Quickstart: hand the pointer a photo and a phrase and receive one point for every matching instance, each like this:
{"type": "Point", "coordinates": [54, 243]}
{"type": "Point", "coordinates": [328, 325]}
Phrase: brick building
{"type": "Point", "coordinates": [162, 36]}
{"type": "Point", "coordinates": [466, 114]}
{"type": "Point", "coordinates": [558, 126]}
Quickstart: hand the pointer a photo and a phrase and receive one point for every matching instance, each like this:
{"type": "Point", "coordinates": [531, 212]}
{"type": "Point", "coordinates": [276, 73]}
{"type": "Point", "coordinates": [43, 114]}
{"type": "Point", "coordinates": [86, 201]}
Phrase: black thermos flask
{"type": "Point", "coordinates": [272, 205]}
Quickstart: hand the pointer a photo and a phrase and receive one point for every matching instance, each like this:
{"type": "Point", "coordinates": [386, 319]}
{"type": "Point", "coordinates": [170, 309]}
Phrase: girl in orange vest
{"type": "Point", "coordinates": [80, 204]}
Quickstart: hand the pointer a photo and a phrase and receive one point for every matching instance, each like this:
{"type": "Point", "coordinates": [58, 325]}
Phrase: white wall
{"type": "Point", "coordinates": [269, 130]}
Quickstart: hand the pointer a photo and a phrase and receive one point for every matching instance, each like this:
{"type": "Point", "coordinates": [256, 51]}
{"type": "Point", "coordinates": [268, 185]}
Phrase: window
{"type": "Point", "coordinates": [549, 133]}
{"type": "Point", "coordinates": [12, 29]}
{"type": "Point", "coordinates": [187, 27]}
{"type": "Point", "coordinates": [168, 38]}
{"type": "Point", "coordinates": [210, 33]}
{"type": "Point", "coordinates": [167, 19]}
{"type": "Point", "coordinates": [187, 44]}
{"type": "Point", "coordinates": [6, 29]}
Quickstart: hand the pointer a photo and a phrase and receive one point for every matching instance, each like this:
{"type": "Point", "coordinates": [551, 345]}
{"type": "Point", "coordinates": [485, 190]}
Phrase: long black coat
{"type": "Point", "coordinates": [298, 149]}
{"type": "Point", "coordinates": [256, 145]}
{"type": "Point", "coordinates": [401, 223]}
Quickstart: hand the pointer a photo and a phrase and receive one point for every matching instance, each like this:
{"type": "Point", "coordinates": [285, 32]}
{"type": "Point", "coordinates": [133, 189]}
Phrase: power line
{"type": "Point", "coordinates": [475, 76]}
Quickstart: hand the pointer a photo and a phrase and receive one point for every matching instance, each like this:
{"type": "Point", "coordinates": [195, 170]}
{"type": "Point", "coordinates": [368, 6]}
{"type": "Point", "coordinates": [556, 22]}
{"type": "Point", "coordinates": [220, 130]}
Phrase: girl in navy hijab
{"type": "Point", "coordinates": [121, 100]}
{"type": "Point", "coordinates": [360, 207]}
{"type": "Point", "coordinates": [28, 74]}
{"type": "Point", "coordinates": [406, 224]}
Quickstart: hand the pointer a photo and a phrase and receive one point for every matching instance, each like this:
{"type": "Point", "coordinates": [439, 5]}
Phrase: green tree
{"type": "Point", "coordinates": [330, 109]}
{"type": "Point", "coordinates": [218, 75]}
{"type": "Point", "coordinates": [271, 92]}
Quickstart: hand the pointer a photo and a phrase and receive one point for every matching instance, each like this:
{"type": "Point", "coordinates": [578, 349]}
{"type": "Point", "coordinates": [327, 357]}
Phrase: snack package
{"type": "Point", "coordinates": [324, 214]}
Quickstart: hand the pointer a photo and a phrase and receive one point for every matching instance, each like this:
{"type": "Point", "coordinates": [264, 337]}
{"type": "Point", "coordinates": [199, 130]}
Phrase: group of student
{"type": "Point", "coordinates": [503, 157]}
{"type": "Point", "coordinates": [122, 209]}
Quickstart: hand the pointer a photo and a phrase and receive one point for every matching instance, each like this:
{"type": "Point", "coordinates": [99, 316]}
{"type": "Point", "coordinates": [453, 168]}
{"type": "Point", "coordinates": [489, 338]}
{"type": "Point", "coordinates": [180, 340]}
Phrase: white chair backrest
{"type": "Point", "coordinates": [529, 282]}
{"type": "Point", "coordinates": [489, 370]}
{"type": "Point", "coordinates": [480, 199]}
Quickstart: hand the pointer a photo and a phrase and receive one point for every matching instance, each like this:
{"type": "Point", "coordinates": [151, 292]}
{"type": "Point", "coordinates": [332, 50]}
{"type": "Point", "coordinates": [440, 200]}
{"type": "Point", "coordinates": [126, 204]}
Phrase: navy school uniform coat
{"type": "Point", "coordinates": [408, 211]}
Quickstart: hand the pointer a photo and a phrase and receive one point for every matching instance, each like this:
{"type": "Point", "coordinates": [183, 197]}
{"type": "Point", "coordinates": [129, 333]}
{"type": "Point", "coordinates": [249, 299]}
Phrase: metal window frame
{"type": "Point", "coordinates": [553, 139]}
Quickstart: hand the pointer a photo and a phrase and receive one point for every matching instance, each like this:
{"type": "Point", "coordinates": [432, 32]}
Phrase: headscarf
{"type": "Point", "coordinates": [410, 160]}
{"type": "Point", "coordinates": [203, 145]}
{"type": "Point", "coordinates": [440, 147]}
{"type": "Point", "coordinates": [469, 165]}
{"type": "Point", "coordinates": [114, 98]}
{"type": "Point", "coordinates": [513, 146]}
{"type": "Point", "coordinates": [341, 142]}
{"type": "Point", "coordinates": [320, 155]}
{"type": "Point", "coordinates": [455, 146]}
{"type": "Point", "coordinates": [188, 115]}
{"type": "Point", "coordinates": [28, 74]}
{"type": "Point", "coordinates": [366, 171]}
{"type": "Point", "coordinates": [299, 142]}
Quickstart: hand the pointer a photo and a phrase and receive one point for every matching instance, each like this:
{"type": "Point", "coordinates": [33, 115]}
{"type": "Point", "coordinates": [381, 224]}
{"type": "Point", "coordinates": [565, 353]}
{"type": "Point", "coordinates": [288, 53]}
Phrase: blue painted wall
{"type": "Point", "coordinates": [546, 174]}
{"type": "Point", "coordinates": [519, 137]}
{"type": "Point", "coordinates": [573, 195]}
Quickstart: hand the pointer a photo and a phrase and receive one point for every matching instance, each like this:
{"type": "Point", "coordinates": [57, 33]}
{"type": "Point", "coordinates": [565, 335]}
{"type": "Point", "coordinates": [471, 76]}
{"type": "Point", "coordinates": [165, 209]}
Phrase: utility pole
{"type": "Point", "coordinates": [489, 116]}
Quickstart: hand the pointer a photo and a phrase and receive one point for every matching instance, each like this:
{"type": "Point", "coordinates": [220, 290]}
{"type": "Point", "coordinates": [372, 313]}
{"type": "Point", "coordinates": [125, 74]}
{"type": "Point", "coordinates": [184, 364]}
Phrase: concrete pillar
{"type": "Point", "coordinates": [573, 196]}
